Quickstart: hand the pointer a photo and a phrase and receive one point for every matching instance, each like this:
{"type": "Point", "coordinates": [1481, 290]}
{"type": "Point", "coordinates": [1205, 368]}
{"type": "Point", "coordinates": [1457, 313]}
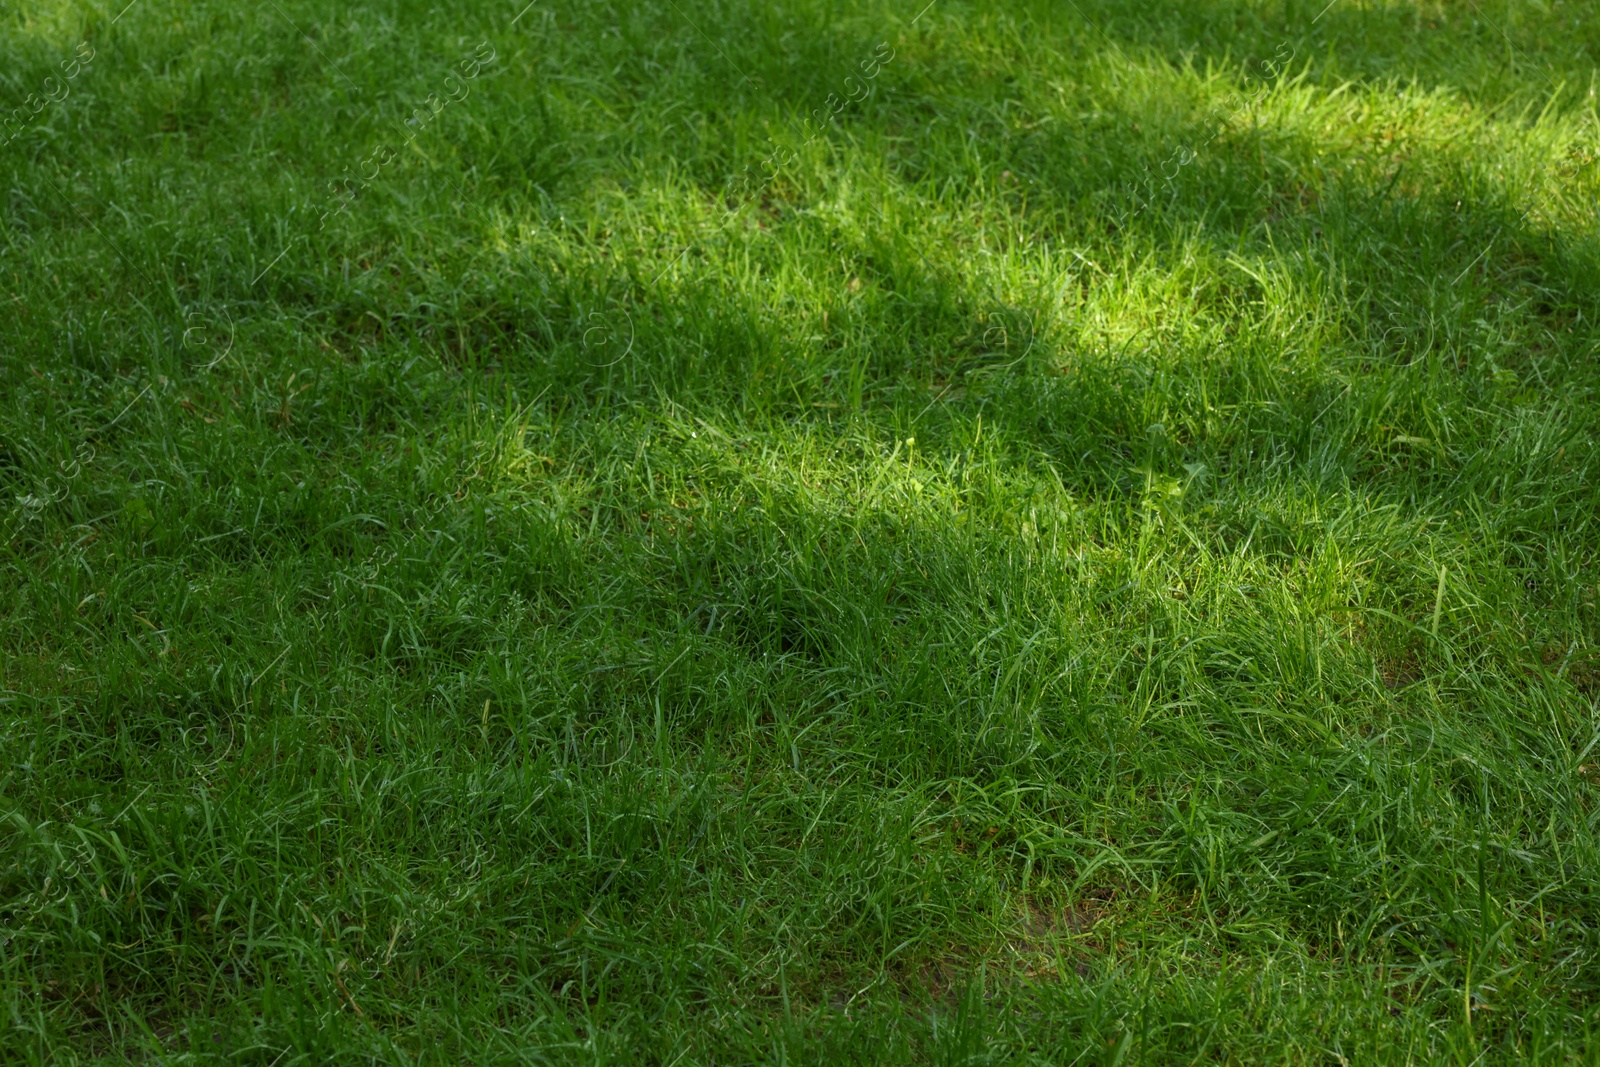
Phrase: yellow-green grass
{"type": "Point", "coordinates": [1087, 554]}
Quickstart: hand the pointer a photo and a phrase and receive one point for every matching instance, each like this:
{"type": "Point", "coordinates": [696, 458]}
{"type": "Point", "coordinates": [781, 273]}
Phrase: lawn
{"type": "Point", "coordinates": [709, 531]}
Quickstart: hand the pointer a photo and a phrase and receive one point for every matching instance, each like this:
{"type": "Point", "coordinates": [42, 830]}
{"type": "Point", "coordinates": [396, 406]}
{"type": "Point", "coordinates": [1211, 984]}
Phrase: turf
{"type": "Point", "coordinates": [708, 531]}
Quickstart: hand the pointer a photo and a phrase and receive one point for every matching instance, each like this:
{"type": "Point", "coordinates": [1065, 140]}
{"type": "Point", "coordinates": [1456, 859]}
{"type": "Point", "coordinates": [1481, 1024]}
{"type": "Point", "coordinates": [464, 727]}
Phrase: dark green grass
{"type": "Point", "coordinates": [1095, 561]}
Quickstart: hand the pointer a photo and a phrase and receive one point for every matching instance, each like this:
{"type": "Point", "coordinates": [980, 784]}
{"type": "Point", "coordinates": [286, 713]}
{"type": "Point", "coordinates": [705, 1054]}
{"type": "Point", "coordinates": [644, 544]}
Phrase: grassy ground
{"type": "Point", "coordinates": [1024, 532]}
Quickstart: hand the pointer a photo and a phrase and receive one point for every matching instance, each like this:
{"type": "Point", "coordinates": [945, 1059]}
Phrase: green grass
{"type": "Point", "coordinates": [1094, 560]}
